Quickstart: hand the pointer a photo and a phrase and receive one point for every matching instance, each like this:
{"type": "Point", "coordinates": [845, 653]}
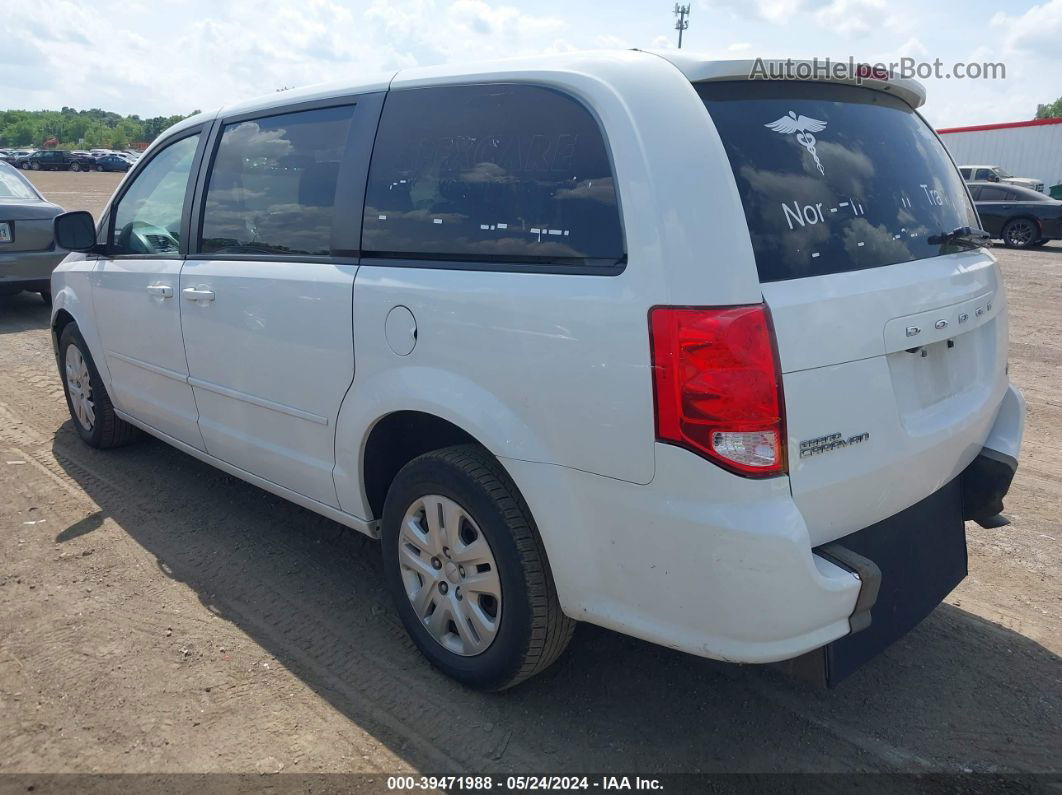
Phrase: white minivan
{"type": "Point", "coordinates": [631, 339]}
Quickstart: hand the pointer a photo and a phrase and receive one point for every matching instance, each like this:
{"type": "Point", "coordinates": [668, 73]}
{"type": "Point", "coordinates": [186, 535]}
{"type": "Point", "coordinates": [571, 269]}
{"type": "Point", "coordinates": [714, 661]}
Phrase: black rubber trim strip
{"type": "Point", "coordinates": [869, 575]}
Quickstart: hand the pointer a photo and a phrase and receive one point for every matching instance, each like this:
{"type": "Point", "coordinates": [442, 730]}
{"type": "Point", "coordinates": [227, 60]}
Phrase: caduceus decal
{"type": "Point", "coordinates": [803, 126]}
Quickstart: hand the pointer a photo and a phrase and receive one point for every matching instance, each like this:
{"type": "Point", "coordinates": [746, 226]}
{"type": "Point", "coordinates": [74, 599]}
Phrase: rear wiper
{"type": "Point", "coordinates": [970, 237]}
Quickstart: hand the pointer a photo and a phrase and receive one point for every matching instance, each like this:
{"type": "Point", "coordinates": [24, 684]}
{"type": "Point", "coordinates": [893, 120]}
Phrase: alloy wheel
{"type": "Point", "coordinates": [1020, 233]}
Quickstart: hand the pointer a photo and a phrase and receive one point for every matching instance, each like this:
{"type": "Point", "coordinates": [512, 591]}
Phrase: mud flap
{"type": "Point", "coordinates": [921, 554]}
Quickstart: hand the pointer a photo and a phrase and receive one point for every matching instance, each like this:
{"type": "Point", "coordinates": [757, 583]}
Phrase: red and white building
{"type": "Point", "coordinates": [1024, 148]}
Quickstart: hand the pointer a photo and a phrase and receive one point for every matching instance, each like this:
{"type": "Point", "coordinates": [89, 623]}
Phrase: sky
{"type": "Point", "coordinates": [166, 57]}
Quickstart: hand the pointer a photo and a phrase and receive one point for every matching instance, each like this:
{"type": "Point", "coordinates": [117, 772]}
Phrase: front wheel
{"type": "Point", "coordinates": [467, 570]}
{"type": "Point", "coordinates": [35, 166]}
{"type": "Point", "coordinates": [86, 397]}
{"type": "Point", "coordinates": [75, 167]}
{"type": "Point", "coordinates": [1020, 233]}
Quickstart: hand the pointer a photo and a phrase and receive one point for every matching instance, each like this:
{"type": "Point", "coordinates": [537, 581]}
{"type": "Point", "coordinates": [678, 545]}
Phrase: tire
{"type": "Point", "coordinates": [35, 166]}
{"type": "Point", "coordinates": [529, 629]}
{"type": "Point", "coordinates": [75, 167]}
{"type": "Point", "coordinates": [1020, 233]}
{"type": "Point", "coordinates": [46, 296]}
{"type": "Point", "coordinates": [105, 429]}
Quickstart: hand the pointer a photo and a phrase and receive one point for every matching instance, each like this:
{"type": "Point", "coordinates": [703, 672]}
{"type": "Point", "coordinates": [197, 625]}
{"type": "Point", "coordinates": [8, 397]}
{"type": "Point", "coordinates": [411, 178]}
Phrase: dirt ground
{"type": "Point", "coordinates": [157, 615]}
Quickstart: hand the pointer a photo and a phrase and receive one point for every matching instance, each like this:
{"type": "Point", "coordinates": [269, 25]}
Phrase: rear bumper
{"type": "Point", "coordinates": [723, 567]}
{"type": "Point", "coordinates": [28, 270]}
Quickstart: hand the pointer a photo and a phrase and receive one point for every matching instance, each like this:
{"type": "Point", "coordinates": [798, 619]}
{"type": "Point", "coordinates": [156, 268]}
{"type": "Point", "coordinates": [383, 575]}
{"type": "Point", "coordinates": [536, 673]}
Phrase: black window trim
{"type": "Point", "coordinates": [350, 185]}
{"type": "Point", "coordinates": [573, 266]}
{"type": "Point", "coordinates": [107, 231]}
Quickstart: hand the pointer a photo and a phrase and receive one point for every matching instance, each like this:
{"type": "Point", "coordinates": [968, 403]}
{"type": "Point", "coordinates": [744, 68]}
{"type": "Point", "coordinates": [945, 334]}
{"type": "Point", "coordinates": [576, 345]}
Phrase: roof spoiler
{"type": "Point", "coordinates": [699, 69]}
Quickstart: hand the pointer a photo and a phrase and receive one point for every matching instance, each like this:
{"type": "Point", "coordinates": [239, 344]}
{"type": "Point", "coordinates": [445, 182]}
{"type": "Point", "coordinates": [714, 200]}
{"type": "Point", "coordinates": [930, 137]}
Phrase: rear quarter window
{"type": "Point", "coordinates": [491, 173]}
{"type": "Point", "coordinates": [992, 195]}
{"type": "Point", "coordinates": [835, 178]}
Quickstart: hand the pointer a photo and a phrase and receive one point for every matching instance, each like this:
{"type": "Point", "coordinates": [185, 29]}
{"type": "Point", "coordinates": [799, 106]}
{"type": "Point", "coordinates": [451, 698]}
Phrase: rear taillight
{"type": "Point", "coordinates": [717, 386]}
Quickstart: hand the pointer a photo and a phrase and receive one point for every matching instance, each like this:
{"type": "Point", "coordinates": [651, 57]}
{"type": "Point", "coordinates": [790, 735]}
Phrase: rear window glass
{"type": "Point", "coordinates": [500, 172]}
{"type": "Point", "coordinates": [12, 186]}
{"type": "Point", "coordinates": [994, 195]}
{"type": "Point", "coordinates": [835, 178]}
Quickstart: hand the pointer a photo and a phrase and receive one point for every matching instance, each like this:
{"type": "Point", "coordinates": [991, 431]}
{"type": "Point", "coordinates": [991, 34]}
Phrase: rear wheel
{"type": "Point", "coordinates": [467, 570]}
{"type": "Point", "coordinates": [86, 397]}
{"type": "Point", "coordinates": [1020, 233]}
{"type": "Point", "coordinates": [35, 166]}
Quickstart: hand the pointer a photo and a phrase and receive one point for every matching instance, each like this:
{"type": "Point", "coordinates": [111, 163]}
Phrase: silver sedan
{"type": "Point", "coordinates": [28, 253]}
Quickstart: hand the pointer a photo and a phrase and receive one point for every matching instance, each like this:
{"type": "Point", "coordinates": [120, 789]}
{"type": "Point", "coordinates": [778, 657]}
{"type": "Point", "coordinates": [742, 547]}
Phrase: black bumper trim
{"type": "Point", "coordinates": [985, 482]}
{"type": "Point", "coordinates": [869, 576]}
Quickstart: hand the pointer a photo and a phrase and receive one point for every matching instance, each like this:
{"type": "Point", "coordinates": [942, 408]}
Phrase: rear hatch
{"type": "Point", "coordinates": [891, 338]}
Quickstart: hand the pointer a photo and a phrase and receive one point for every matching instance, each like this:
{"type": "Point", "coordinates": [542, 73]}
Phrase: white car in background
{"type": "Point", "coordinates": [998, 174]}
{"type": "Point", "coordinates": [613, 337]}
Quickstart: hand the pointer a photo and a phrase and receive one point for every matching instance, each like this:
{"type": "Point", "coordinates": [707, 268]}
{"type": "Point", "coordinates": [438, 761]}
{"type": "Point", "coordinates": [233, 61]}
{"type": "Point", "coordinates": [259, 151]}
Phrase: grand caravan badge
{"type": "Point", "coordinates": [803, 126]}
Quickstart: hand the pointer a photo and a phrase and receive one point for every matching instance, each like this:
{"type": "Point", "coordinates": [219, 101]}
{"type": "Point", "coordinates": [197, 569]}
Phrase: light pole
{"type": "Point", "coordinates": [681, 23]}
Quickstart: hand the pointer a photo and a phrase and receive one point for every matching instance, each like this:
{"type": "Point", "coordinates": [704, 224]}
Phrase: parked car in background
{"type": "Point", "coordinates": [599, 375]}
{"type": "Point", "coordinates": [56, 160]}
{"type": "Point", "coordinates": [112, 162]}
{"type": "Point", "coordinates": [997, 174]}
{"type": "Point", "coordinates": [13, 155]}
{"type": "Point", "coordinates": [27, 245]}
{"type": "Point", "coordinates": [1018, 216]}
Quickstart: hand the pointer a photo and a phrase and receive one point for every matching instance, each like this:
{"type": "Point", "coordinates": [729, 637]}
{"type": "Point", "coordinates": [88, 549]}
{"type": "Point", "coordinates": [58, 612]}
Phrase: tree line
{"type": "Point", "coordinates": [1051, 110]}
{"type": "Point", "coordinates": [80, 129]}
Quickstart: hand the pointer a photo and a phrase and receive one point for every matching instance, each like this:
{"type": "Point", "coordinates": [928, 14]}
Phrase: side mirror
{"type": "Point", "coordinates": [993, 178]}
{"type": "Point", "coordinates": [75, 231]}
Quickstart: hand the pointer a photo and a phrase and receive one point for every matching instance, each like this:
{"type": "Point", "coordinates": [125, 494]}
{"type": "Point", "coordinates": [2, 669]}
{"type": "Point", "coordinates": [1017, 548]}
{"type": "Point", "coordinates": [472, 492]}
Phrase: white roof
{"type": "Point", "coordinates": [573, 65]}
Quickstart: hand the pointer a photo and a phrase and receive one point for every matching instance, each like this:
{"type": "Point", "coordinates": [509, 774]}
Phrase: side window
{"type": "Point", "coordinates": [993, 194]}
{"type": "Point", "coordinates": [975, 192]}
{"type": "Point", "coordinates": [965, 173]}
{"type": "Point", "coordinates": [147, 219]}
{"type": "Point", "coordinates": [488, 173]}
{"type": "Point", "coordinates": [272, 187]}
{"type": "Point", "coordinates": [982, 173]}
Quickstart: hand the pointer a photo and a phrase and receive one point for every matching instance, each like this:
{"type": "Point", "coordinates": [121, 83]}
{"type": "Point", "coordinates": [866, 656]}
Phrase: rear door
{"type": "Point", "coordinates": [993, 209]}
{"type": "Point", "coordinates": [892, 341]}
{"type": "Point", "coordinates": [267, 301]}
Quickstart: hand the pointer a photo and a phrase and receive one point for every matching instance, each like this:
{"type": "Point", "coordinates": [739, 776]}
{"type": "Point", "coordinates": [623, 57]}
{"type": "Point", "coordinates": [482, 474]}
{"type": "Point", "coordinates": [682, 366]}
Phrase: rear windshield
{"type": "Point", "coordinates": [835, 178]}
{"type": "Point", "coordinates": [12, 187]}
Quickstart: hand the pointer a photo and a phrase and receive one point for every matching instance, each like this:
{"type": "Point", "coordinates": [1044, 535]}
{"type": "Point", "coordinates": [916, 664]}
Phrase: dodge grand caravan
{"type": "Point", "coordinates": [716, 362]}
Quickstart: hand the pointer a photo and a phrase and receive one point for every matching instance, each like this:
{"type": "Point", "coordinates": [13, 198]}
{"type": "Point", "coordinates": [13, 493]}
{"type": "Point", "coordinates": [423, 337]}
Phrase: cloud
{"type": "Point", "coordinates": [856, 18]}
{"type": "Point", "coordinates": [202, 54]}
{"type": "Point", "coordinates": [1037, 31]}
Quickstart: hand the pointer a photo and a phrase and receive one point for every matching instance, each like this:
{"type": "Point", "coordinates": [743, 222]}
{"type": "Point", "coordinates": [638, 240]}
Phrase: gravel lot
{"type": "Point", "coordinates": [157, 615]}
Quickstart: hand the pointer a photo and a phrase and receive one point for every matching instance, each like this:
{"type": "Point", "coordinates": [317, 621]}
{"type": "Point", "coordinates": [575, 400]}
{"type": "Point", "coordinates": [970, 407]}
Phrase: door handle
{"type": "Point", "coordinates": [160, 290]}
{"type": "Point", "coordinates": [197, 294]}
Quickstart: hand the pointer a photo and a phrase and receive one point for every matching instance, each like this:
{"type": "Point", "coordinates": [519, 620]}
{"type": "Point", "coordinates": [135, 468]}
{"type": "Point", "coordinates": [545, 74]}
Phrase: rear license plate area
{"type": "Point", "coordinates": [6, 232]}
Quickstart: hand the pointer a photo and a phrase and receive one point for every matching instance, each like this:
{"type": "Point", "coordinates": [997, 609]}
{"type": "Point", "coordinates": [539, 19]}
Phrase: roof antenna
{"type": "Point", "coordinates": [681, 23]}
